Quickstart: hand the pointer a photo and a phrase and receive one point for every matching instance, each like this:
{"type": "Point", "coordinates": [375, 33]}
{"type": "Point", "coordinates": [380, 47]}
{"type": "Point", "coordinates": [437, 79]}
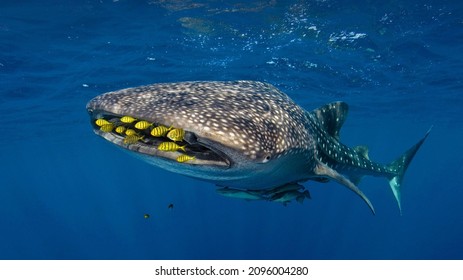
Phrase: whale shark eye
{"type": "Point", "coordinates": [266, 158]}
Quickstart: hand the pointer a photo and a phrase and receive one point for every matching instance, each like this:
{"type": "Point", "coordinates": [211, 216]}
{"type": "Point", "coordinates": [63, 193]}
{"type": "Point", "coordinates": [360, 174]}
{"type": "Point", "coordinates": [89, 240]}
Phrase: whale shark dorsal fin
{"type": "Point", "coordinates": [363, 150]}
{"type": "Point", "coordinates": [332, 117]}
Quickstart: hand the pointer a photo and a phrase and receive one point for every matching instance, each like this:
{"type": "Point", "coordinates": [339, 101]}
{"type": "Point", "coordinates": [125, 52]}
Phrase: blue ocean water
{"type": "Point", "coordinates": [67, 194]}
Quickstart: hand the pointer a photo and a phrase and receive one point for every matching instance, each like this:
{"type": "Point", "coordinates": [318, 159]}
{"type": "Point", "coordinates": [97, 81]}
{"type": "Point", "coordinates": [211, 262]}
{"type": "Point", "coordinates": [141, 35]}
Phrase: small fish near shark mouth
{"type": "Point", "coordinates": [247, 137]}
{"type": "Point", "coordinates": [155, 140]}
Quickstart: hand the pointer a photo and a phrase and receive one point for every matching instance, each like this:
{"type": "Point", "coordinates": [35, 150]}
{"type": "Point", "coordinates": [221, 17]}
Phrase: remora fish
{"type": "Point", "coordinates": [286, 197]}
{"type": "Point", "coordinates": [243, 194]}
{"type": "Point", "coordinates": [246, 135]}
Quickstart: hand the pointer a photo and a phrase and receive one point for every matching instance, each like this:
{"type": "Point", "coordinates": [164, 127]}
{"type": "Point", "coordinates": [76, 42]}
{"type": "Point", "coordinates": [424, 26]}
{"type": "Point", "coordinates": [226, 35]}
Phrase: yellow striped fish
{"type": "Point", "coordinates": [176, 134]}
{"type": "Point", "coordinates": [132, 139]}
{"type": "Point", "coordinates": [107, 127]}
{"type": "Point", "coordinates": [170, 147]}
{"type": "Point", "coordinates": [120, 129]}
{"type": "Point", "coordinates": [127, 119]}
{"type": "Point", "coordinates": [184, 158]}
{"type": "Point", "coordinates": [129, 132]}
{"type": "Point", "coordinates": [160, 131]}
{"type": "Point", "coordinates": [143, 125]}
{"type": "Point", "coordinates": [101, 122]}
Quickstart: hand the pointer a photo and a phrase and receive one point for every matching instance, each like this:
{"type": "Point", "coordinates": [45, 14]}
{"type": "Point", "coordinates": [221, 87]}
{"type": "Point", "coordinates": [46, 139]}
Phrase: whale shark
{"type": "Point", "coordinates": [247, 137]}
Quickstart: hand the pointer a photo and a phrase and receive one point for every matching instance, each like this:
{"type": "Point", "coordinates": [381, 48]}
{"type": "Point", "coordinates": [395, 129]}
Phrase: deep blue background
{"type": "Point", "coordinates": [67, 194]}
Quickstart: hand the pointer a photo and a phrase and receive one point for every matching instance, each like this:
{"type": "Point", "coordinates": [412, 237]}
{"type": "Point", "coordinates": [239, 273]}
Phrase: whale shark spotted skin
{"type": "Point", "coordinates": [245, 135]}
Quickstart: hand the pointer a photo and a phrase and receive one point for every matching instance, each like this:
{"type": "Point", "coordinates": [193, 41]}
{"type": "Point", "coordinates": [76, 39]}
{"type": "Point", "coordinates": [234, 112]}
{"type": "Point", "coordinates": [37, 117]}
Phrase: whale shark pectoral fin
{"type": "Point", "coordinates": [324, 170]}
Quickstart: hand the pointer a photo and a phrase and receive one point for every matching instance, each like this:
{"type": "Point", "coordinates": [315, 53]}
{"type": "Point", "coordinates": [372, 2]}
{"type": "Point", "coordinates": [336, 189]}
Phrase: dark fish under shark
{"type": "Point", "coordinates": [247, 137]}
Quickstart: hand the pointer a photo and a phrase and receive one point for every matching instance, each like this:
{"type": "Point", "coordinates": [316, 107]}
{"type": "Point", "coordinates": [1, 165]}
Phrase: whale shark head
{"type": "Point", "coordinates": [235, 133]}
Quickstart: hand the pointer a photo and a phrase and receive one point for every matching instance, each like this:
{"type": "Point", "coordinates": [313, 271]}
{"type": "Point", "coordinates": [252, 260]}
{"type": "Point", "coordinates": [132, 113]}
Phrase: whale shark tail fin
{"type": "Point", "coordinates": [399, 166]}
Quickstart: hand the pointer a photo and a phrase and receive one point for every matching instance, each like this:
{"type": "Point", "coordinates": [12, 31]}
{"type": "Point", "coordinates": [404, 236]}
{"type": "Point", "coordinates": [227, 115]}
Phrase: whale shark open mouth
{"type": "Point", "coordinates": [187, 150]}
